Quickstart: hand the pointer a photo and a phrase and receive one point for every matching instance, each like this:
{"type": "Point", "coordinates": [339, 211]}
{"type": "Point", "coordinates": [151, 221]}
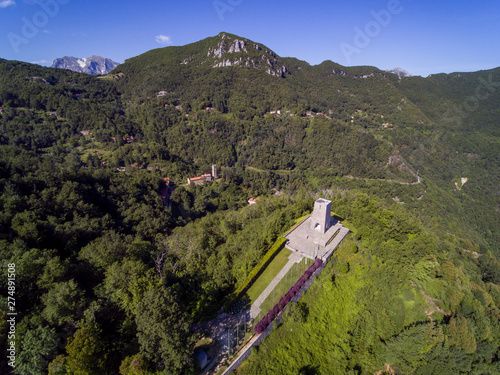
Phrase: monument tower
{"type": "Point", "coordinates": [318, 235]}
{"type": "Point", "coordinates": [321, 219]}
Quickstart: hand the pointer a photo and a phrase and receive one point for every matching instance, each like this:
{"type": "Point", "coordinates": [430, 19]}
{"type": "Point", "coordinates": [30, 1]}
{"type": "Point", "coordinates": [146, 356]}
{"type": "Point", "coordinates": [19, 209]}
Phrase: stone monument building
{"type": "Point", "coordinates": [318, 235]}
{"type": "Point", "coordinates": [321, 218]}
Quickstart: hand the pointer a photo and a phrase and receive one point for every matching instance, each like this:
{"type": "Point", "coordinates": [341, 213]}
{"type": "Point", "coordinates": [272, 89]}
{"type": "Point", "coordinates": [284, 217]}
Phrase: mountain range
{"type": "Point", "coordinates": [421, 120]}
{"type": "Point", "coordinates": [92, 65]}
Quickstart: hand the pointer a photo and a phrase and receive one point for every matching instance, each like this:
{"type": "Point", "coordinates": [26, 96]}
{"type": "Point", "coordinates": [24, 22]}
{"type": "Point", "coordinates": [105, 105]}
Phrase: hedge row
{"type": "Point", "coordinates": [256, 271]}
{"type": "Point", "coordinates": [271, 315]}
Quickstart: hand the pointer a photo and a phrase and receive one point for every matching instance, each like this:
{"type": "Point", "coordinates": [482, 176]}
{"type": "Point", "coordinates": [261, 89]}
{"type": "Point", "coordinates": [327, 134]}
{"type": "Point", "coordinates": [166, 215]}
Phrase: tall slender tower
{"type": "Point", "coordinates": [321, 218]}
{"type": "Point", "coordinates": [214, 171]}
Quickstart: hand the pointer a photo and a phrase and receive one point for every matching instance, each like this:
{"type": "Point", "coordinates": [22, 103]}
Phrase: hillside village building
{"type": "Point", "coordinates": [318, 234]}
{"type": "Point", "coordinates": [200, 179]}
{"type": "Point", "coordinates": [208, 177]}
{"type": "Point", "coordinates": [253, 200]}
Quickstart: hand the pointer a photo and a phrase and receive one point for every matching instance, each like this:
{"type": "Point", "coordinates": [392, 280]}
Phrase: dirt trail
{"type": "Point", "coordinates": [419, 180]}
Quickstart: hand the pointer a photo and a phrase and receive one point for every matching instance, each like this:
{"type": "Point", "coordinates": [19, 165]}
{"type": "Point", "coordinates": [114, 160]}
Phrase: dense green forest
{"type": "Point", "coordinates": [109, 279]}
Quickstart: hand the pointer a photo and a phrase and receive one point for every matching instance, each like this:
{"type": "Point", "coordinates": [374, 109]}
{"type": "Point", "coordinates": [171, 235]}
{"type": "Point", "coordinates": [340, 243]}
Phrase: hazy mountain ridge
{"type": "Point", "coordinates": [93, 65]}
{"type": "Point", "coordinates": [400, 72]}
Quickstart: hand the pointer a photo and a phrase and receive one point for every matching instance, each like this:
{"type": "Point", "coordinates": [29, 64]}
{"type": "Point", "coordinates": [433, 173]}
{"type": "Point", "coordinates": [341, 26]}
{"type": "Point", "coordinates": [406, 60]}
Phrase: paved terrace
{"type": "Point", "coordinates": [313, 244]}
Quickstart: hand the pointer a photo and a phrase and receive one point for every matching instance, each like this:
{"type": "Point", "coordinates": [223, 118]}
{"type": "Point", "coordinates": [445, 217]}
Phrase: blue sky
{"type": "Point", "coordinates": [422, 36]}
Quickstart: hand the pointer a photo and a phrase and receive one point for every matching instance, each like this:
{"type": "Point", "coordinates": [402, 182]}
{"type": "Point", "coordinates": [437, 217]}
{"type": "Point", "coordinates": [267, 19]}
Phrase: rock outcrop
{"type": "Point", "coordinates": [232, 51]}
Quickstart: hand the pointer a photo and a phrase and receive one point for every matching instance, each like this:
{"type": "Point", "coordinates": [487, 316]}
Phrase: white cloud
{"type": "Point", "coordinates": [6, 3]}
{"type": "Point", "coordinates": [163, 39]}
{"type": "Point", "coordinates": [40, 62]}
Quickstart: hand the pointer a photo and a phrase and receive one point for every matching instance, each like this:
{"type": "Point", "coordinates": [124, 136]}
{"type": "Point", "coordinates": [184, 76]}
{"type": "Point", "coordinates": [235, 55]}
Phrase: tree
{"type": "Point", "coordinates": [87, 354]}
{"type": "Point", "coordinates": [105, 250]}
{"type": "Point", "coordinates": [134, 365]}
{"type": "Point", "coordinates": [53, 272]}
{"type": "Point", "coordinates": [297, 312]}
{"type": "Point", "coordinates": [63, 303]}
{"type": "Point", "coordinates": [58, 366]}
{"type": "Point", "coordinates": [38, 346]}
{"type": "Point", "coordinates": [126, 283]}
{"type": "Point", "coordinates": [163, 331]}
{"type": "Point", "coordinates": [460, 335]}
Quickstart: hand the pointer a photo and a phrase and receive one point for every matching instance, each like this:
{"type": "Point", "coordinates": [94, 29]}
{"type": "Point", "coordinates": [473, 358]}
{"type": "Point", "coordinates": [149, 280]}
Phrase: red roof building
{"type": "Point", "coordinates": [253, 200]}
{"type": "Point", "coordinates": [201, 179]}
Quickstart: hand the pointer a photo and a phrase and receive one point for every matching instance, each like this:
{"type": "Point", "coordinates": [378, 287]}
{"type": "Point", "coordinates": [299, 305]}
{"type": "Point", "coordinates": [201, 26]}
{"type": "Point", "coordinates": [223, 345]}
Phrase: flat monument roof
{"type": "Point", "coordinates": [321, 200]}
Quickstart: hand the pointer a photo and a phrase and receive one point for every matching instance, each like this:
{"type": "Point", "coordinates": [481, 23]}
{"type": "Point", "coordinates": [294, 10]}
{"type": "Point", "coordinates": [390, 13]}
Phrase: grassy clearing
{"type": "Point", "coordinates": [255, 273]}
{"type": "Point", "coordinates": [93, 150]}
{"type": "Point", "coordinates": [284, 285]}
{"type": "Point", "coordinates": [268, 275]}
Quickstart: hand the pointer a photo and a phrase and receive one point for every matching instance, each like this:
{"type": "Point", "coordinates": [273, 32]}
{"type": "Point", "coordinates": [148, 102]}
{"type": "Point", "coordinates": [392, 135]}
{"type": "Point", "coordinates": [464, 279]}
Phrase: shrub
{"type": "Point", "coordinates": [282, 303]}
{"type": "Point", "coordinates": [259, 328]}
{"type": "Point", "coordinates": [272, 314]}
{"type": "Point", "coordinates": [296, 312]}
{"type": "Point", "coordinates": [266, 320]}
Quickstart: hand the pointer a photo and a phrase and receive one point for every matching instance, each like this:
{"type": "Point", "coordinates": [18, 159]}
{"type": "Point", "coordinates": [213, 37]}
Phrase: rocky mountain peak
{"type": "Point", "coordinates": [399, 71]}
{"type": "Point", "coordinates": [92, 65]}
{"type": "Point", "coordinates": [235, 51]}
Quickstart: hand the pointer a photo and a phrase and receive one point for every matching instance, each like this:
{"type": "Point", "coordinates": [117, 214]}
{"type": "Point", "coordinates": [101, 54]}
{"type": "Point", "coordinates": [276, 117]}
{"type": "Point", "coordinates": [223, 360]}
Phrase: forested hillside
{"type": "Point", "coordinates": [109, 278]}
{"type": "Point", "coordinates": [398, 299]}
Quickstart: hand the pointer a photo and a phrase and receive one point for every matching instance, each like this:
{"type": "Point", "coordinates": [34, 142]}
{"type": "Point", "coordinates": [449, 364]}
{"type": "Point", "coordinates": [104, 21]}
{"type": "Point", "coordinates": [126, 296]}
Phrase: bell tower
{"type": "Point", "coordinates": [214, 171]}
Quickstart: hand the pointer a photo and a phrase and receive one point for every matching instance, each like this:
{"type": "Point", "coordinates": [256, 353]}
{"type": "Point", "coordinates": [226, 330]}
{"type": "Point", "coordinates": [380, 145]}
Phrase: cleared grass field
{"type": "Point", "coordinates": [95, 149]}
{"type": "Point", "coordinates": [286, 283]}
{"type": "Point", "coordinates": [271, 271]}
{"type": "Point", "coordinates": [268, 275]}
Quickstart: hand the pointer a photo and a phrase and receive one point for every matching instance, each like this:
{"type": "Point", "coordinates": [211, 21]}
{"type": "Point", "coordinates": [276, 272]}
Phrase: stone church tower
{"type": "Point", "coordinates": [214, 171]}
